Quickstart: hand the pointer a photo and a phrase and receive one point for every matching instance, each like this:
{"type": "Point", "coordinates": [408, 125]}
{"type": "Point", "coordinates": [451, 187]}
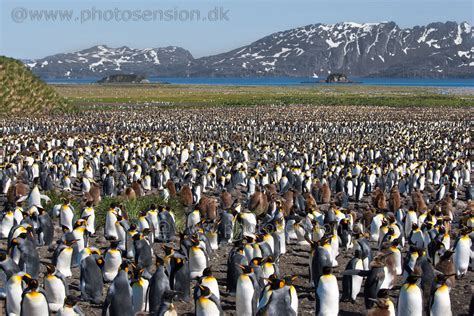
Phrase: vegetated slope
{"type": "Point", "coordinates": [23, 92]}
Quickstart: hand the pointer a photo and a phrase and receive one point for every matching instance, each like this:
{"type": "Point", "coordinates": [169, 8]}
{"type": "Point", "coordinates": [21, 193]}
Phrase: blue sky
{"type": "Point", "coordinates": [248, 21]}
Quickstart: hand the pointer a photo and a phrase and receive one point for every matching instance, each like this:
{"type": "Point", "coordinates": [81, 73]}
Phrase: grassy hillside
{"type": "Point", "coordinates": [22, 92]}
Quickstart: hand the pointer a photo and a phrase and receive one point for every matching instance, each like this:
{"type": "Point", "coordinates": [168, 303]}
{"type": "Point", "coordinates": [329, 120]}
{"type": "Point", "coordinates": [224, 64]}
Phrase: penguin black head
{"type": "Point", "coordinates": [167, 249]}
{"type": "Point", "coordinates": [50, 268]}
{"type": "Point", "coordinates": [114, 244]}
{"type": "Point", "coordinates": [447, 254]}
{"type": "Point", "coordinates": [257, 261]}
{"type": "Point", "coordinates": [3, 255]}
{"type": "Point", "coordinates": [290, 279]}
{"type": "Point", "coordinates": [412, 278]}
{"type": "Point", "coordinates": [276, 283]}
{"type": "Point", "coordinates": [246, 269]}
{"type": "Point", "coordinates": [207, 272]}
{"type": "Point", "coordinates": [32, 284]}
{"type": "Point", "coordinates": [205, 291]}
{"type": "Point", "coordinates": [327, 270]}
{"type": "Point", "coordinates": [159, 261]}
{"type": "Point", "coordinates": [70, 301]}
{"type": "Point", "coordinates": [124, 266]}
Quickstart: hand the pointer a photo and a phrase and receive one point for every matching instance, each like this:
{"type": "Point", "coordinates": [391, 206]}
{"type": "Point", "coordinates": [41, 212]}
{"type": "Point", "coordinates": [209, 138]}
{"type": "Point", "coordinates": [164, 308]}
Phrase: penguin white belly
{"type": "Point", "coordinates": [66, 218]}
{"type": "Point", "coordinates": [197, 262]}
{"type": "Point", "coordinates": [334, 250]}
{"type": "Point", "coordinates": [441, 305]}
{"type": "Point", "coordinates": [206, 307]}
{"type": "Point", "coordinates": [110, 230]}
{"type": "Point", "coordinates": [328, 296]}
{"type": "Point", "coordinates": [64, 262]}
{"type": "Point", "coordinates": [6, 225]}
{"type": "Point", "coordinates": [212, 240]}
{"type": "Point", "coordinates": [139, 291]}
{"type": "Point", "coordinates": [366, 263]}
{"type": "Point", "coordinates": [375, 228]}
{"type": "Point", "coordinates": [357, 280]}
{"type": "Point", "coordinates": [193, 219]}
{"type": "Point", "coordinates": [13, 299]}
{"type": "Point", "coordinates": [55, 292]}
{"type": "Point", "coordinates": [90, 224]}
{"type": "Point", "coordinates": [398, 263]}
{"type": "Point", "coordinates": [249, 223]}
{"type": "Point", "coordinates": [153, 218]}
{"type": "Point", "coordinates": [300, 236]}
{"type": "Point", "coordinates": [67, 311]}
{"type": "Point", "coordinates": [290, 229]}
{"type": "Point", "coordinates": [410, 301]}
{"type": "Point", "coordinates": [112, 263]}
{"type": "Point", "coordinates": [268, 270]}
{"type": "Point", "coordinates": [34, 304]}
{"type": "Point", "coordinates": [462, 255]}
{"type": "Point", "coordinates": [244, 296]}
{"type": "Point", "coordinates": [282, 241]}
{"type": "Point", "coordinates": [387, 280]}
{"type": "Point", "coordinates": [211, 283]}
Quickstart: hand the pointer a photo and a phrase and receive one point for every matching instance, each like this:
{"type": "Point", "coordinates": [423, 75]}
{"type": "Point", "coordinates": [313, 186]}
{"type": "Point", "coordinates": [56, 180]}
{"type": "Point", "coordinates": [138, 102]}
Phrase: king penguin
{"type": "Point", "coordinates": [410, 298]}
{"type": "Point", "coordinates": [327, 294]}
{"type": "Point", "coordinates": [91, 281]}
{"type": "Point", "coordinates": [119, 296]}
{"type": "Point", "coordinates": [247, 292]}
{"type": "Point", "coordinates": [34, 302]}
{"type": "Point", "coordinates": [55, 287]}
{"type": "Point", "coordinates": [440, 301]}
{"type": "Point", "coordinates": [207, 304]}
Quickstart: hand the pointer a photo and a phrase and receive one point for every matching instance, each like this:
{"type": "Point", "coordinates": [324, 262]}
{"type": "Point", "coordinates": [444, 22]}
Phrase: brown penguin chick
{"type": "Point", "coordinates": [310, 201]}
{"type": "Point", "coordinates": [446, 206]}
{"type": "Point", "coordinates": [381, 307]}
{"type": "Point", "coordinates": [208, 208]}
{"type": "Point", "coordinates": [419, 202]}
{"type": "Point", "coordinates": [171, 188]}
{"type": "Point", "coordinates": [395, 199]}
{"type": "Point", "coordinates": [367, 217]}
{"type": "Point", "coordinates": [226, 200]}
{"type": "Point", "coordinates": [130, 194]}
{"type": "Point", "coordinates": [17, 191]}
{"type": "Point", "coordinates": [326, 193]}
{"type": "Point", "coordinates": [446, 266]}
{"type": "Point", "coordinates": [270, 189]}
{"type": "Point", "coordinates": [288, 203]}
{"type": "Point", "coordinates": [93, 195]}
{"type": "Point", "coordinates": [258, 203]}
{"type": "Point", "coordinates": [137, 187]}
{"type": "Point", "coordinates": [378, 199]}
{"type": "Point", "coordinates": [186, 196]}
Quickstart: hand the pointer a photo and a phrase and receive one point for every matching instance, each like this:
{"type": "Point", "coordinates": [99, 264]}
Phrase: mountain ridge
{"type": "Point", "coordinates": [356, 49]}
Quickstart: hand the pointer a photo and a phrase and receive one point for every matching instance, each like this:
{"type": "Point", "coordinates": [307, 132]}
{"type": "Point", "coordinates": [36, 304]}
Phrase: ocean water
{"type": "Point", "coordinates": [290, 81]}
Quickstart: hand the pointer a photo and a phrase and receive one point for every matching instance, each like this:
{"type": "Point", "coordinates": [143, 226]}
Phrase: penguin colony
{"type": "Point", "coordinates": [372, 206]}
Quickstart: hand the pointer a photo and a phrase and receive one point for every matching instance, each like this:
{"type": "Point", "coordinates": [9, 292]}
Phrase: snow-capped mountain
{"type": "Point", "coordinates": [100, 61]}
{"type": "Point", "coordinates": [370, 49]}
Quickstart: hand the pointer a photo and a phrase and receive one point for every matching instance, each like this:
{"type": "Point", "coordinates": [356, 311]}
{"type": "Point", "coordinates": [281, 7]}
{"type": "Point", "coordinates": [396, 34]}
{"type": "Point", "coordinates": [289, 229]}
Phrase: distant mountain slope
{"type": "Point", "coordinates": [101, 61]}
{"type": "Point", "coordinates": [23, 92]}
{"type": "Point", "coordinates": [370, 49]}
